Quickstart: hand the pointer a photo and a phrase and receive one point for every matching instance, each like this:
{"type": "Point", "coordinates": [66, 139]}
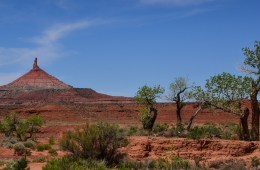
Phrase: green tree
{"type": "Point", "coordinates": [252, 67]}
{"type": "Point", "coordinates": [227, 92]}
{"type": "Point", "coordinates": [178, 94]}
{"type": "Point", "coordinates": [147, 96]}
{"type": "Point", "coordinates": [23, 130]}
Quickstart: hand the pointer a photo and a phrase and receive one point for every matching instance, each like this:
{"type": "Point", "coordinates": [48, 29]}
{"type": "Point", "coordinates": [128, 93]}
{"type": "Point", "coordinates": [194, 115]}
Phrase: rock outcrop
{"type": "Point", "coordinates": [38, 86]}
{"type": "Point", "coordinates": [207, 152]}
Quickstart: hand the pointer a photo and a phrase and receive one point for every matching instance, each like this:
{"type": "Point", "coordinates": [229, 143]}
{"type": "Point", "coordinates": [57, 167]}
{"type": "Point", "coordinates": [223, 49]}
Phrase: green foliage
{"type": "Point", "coordinates": [43, 147]}
{"type": "Point", "coordinates": [29, 144]}
{"type": "Point", "coordinates": [147, 95]}
{"type": "Point", "coordinates": [145, 117]}
{"type": "Point", "coordinates": [21, 129]}
{"type": "Point", "coordinates": [53, 152]}
{"type": "Point", "coordinates": [175, 163]}
{"type": "Point", "coordinates": [206, 131]}
{"type": "Point", "coordinates": [177, 131]}
{"type": "Point", "coordinates": [51, 140]}
{"type": "Point", "coordinates": [255, 161]}
{"type": "Point", "coordinates": [20, 149]}
{"type": "Point", "coordinates": [178, 88]}
{"type": "Point", "coordinates": [230, 130]}
{"type": "Point", "coordinates": [8, 142]}
{"type": "Point", "coordinates": [39, 159]}
{"type": "Point", "coordinates": [69, 163]}
{"type": "Point", "coordinates": [253, 58]}
{"type": "Point", "coordinates": [160, 128]}
{"type": "Point", "coordinates": [20, 164]}
{"type": "Point", "coordinates": [98, 141]}
{"type": "Point", "coordinates": [226, 91]}
{"type": "Point", "coordinates": [132, 130]}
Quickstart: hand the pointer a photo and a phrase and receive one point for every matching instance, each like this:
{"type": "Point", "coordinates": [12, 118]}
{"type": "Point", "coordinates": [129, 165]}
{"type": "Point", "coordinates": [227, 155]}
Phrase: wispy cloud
{"type": "Point", "coordinates": [47, 44]}
{"type": "Point", "coordinates": [58, 31]}
{"type": "Point", "coordinates": [47, 47]}
{"type": "Point", "coordinates": [174, 2]}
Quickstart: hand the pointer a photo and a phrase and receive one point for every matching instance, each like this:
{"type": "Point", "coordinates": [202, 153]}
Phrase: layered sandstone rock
{"type": "Point", "coordinates": [35, 79]}
{"type": "Point", "coordinates": [39, 86]}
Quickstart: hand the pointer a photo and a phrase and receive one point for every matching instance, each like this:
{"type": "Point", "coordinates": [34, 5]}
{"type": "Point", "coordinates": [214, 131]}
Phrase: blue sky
{"type": "Point", "coordinates": [116, 46]}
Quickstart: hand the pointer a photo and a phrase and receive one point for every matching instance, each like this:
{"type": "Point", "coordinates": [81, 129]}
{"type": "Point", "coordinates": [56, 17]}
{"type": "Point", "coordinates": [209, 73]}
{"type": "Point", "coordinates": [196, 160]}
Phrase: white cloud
{"type": "Point", "coordinates": [60, 30]}
{"type": "Point", "coordinates": [47, 46]}
{"type": "Point", "coordinates": [175, 2]}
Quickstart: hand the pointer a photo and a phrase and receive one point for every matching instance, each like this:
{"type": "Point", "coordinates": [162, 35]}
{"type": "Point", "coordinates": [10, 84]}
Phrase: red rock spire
{"type": "Point", "coordinates": [35, 64]}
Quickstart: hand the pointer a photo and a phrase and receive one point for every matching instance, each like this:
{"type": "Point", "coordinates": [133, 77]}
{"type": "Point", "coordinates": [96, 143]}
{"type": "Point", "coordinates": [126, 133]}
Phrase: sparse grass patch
{"type": "Point", "coordinates": [39, 159]}
{"type": "Point", "coordinates": [42, 147]}
{"type": "Point", "coordinates": [53, 152]}
{"type": "Point", "coordinates": [51, 140]}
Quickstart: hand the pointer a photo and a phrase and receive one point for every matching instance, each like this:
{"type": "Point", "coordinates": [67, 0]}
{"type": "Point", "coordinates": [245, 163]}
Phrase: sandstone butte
{"type": "Point", "coordinates": [37, 85]}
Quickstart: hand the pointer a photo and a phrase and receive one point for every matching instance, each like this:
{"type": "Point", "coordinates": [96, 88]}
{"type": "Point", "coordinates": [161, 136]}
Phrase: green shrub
{"type": "Point", "coordinates": [177, 131]}
{"type": "Point", "coordinates": [211, 130]}
{"type": "Point", "coordinates": [20, 149]}
{"type": "Point", "coordinates": [195, 133]}
{"type": "Point", "coordinates": [43, 147]}
{"type": "Point", "coordinates": [53, 152]}
{"type": "Point", "coordinates": [20, 164]}
{"type": "Point", "coordinates": [51, 140]}
{"type": "Point", "coordinates": [255, 162]}
{"type": "Point", "coordinates": [40, 159]}
{"type": "Point", "coordinates": [160, 128]}
{"type": "Point", "coordinates": [206, 131]}
{"type": "Point", "coordinates": [98, 141]}
{"type": "Point", "coordinates": [9, 141]}
{"type": "Point", "coordinates": [180, 163]}
{"type": "Point", "coordinates": [69, 163]}
{"type": "Point", "coordinates": [132, 131]}
{"type": "Point", "coordinates": [29, 144]}
{"type": "Point", "coordinates": [175, 163]}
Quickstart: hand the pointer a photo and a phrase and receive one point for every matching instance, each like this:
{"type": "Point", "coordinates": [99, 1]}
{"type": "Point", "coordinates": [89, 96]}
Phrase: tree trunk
{"type": "Point", "coordinates": [149, 125]}
{"type": "Point", "coordinates": [193, 117]}
{"type": "Point", "coordinates": [178, 111]}
{"type": "Point", "coordinates": [244, 124]}
{"type": "Point", "coordinates": [255, 113]}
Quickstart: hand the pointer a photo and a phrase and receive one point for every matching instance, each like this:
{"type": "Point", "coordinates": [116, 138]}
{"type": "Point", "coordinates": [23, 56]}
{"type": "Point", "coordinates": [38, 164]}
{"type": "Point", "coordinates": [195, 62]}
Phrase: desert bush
{"type": "Point", "coordinates": [20, 149]}
{"type": "Point", "coordinates": [69, 163]}
{"type": "Point", "coordinates": [51, 140]}
{"type": "Point", "coordinates": [20, 164]}
{"type": "Point", "coordinates": [160, 128]}
{"type": "Point", "coordinates": [2, 163]}
{"type": "Point", "coordinates": [39, 159]}
{"type": "Point", "coordinates": [98, 141]}
{"type": "Point", "coordinates": [175, 163]}
{"type": "Point", "coordinates": [206, 131]}
{"type": "Point", "coordinates": [42, 147]}
{"type": "Point", "coordinates": [180, 163]}
{"type": "Point", "coordinates": [177, 131]}
{"type": "Point", "coordinates": [53, 152]}
{"type": "Point", "coordinates": [132, 130]}
{"type": "Point", "coordinates": [8, 142]}
{"type": "Point", "coordinates": [230, 164]}
{"type": "Point", "coordinates": [29, 144]}
{"type": "Point", "coordinates": [255, 162]}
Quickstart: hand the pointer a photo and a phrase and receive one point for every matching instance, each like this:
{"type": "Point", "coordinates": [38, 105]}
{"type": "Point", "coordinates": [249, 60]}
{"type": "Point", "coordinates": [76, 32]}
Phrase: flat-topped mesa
{"type": "Point", "coordinates": [35, 79]}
